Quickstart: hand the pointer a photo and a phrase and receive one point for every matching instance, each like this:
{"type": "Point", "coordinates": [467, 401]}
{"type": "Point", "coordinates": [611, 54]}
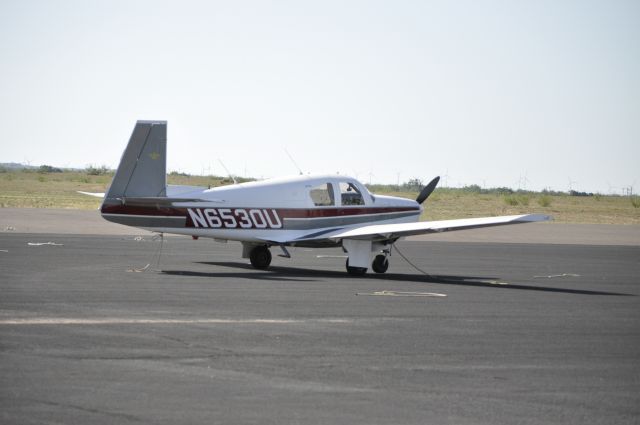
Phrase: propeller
{"type": "Point", "coordinates": [426, 191]}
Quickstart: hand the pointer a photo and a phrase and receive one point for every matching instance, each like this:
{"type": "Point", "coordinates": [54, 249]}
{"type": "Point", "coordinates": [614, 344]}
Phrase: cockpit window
{"type": "Point", "coordinates": [350, 195]}
{"type": "Point", "coordinates": [322, 195]}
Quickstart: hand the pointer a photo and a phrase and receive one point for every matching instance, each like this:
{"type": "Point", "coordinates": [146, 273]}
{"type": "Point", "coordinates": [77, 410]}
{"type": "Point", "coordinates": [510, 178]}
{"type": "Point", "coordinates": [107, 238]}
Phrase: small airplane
{"type": "Point", "coordinates": [302, 211]}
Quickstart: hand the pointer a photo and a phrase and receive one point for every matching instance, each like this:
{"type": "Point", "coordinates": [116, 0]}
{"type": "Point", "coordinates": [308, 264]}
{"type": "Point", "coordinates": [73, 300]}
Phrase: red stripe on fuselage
{"type": "Point", "coordinates": [282, 212]}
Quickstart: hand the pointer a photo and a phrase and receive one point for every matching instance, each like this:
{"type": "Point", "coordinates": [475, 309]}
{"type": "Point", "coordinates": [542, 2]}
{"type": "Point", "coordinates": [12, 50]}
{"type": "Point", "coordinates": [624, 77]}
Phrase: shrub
{"type": "Point", "coordinates": [48, 169]}
{"type": "Point", "coordinates": [96, 171]}
{"type": "Point", "coordinates": [503, 190]}
{"type": "Point", "coordinates": [510, 200]}
{"type": "Point", "coordinates": [413, 185]}
{"type": "Point", "coordinates": [474, 188]}
{"type": "Point", "coordinates": [635, 201]}
{"type": "Point", "coordinates": [576, 193]}
{"type": "Point", "coordinates": [544, 201]}
{"type": "Point", "coordinates": [523, 200]}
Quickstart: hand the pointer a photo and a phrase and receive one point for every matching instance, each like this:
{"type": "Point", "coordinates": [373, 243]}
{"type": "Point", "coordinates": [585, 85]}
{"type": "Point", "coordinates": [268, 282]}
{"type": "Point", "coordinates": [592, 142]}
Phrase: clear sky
{"type": "Point", "coordinates": [496, 93]}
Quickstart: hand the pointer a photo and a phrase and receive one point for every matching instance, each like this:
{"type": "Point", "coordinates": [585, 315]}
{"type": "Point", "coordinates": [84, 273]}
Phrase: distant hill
{"type": "Point", "coordinates": [16, 166]}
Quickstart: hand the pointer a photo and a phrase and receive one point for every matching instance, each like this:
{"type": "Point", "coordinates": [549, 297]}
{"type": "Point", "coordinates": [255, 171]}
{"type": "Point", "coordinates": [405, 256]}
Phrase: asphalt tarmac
{"type": "Point", "coordinates": [488, 333]}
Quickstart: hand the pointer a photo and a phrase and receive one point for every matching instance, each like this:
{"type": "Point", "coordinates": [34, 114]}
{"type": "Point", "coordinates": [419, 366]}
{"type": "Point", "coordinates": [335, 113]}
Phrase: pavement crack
{"type": "Point", "coordinates": [117, 415]}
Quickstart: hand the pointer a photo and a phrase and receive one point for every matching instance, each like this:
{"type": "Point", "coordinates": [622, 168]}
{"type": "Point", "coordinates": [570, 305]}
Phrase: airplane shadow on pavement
{"type": "Point", "coordinates": [296, 274]}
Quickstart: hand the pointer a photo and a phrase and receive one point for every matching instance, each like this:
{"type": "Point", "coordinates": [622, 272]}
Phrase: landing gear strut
{"type": "Point", "coordinates": [260, 257]}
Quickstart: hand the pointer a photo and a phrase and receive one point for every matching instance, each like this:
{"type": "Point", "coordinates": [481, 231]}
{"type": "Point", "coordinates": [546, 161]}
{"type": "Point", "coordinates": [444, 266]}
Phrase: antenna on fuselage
{"type": "Point", "coordinates": [294, 161]}
{"type": "Point", "coordinates": [228, 173]}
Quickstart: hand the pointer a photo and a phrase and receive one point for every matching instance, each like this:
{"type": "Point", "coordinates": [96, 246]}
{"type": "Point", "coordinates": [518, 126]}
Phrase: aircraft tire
{"type": "Point", "coordinates": [380, 264]}
{"type": "Point", "coordinates": [260, 257]}
{"type": "Point", "coordinates": [355, 271]}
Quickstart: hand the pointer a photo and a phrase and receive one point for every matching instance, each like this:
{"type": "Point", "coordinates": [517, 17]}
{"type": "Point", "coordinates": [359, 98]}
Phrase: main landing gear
{"type": "Point", "coordinates": [380, 264]}
{"type": "Point", "coordinates": [260, 257]}
{"type": "Point", "coordinates": [355, 271]}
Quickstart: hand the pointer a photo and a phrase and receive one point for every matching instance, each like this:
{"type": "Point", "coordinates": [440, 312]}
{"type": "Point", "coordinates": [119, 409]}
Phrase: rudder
{"type": "Point", "coordinates": [143, 167]}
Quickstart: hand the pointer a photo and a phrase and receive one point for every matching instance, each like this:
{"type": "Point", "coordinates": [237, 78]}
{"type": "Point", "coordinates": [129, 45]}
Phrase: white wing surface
{"type": "Point", "coordinates": [394, 231]}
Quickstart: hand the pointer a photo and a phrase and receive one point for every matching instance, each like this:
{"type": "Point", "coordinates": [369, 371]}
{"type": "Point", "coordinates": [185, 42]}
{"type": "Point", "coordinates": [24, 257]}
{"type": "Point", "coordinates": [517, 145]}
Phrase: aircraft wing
{"type": "Point", "coordinates": [393, 231]}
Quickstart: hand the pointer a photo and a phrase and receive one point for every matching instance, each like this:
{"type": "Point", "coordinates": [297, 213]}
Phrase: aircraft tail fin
{"type": "Point", "coordinates": [143, 167]}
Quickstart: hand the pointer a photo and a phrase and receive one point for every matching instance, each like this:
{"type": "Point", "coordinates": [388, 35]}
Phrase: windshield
{"type": "Point", "coordinates": [350, 194]}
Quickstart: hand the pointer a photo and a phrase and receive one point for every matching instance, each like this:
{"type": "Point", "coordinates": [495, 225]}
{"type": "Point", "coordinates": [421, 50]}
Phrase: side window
{"type": "Point", "coordinates": [322, 195]}
{"type": "Point", "coordinates": [350, 195]}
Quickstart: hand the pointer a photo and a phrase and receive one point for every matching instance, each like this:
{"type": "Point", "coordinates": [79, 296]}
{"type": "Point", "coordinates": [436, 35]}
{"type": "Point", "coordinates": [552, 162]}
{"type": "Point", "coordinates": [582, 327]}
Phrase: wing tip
{"type": "Point", "coordinates": [532, 218]}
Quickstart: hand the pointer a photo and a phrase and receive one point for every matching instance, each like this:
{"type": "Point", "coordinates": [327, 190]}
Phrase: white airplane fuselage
{"type": "Point", "coordinates": [282, 209]}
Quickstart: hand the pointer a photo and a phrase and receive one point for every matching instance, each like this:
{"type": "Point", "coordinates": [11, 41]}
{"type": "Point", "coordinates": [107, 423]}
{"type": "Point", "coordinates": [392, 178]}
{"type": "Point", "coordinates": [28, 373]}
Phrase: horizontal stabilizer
{"type": "Point", "coordinates": [96, 194]}
{"type": "Point", "coordinates": [162, 200]}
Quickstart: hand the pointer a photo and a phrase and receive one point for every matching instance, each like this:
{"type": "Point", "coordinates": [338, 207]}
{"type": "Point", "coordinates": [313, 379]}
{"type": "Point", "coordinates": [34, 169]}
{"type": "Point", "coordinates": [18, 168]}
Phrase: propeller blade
{"type": "Point", "coordinates": [426, 191]}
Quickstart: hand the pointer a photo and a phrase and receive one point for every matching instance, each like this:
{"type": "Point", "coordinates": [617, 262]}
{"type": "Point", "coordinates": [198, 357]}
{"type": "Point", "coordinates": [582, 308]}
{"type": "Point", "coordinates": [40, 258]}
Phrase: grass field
{"type": "Point", "coordinates": [20, 189]}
